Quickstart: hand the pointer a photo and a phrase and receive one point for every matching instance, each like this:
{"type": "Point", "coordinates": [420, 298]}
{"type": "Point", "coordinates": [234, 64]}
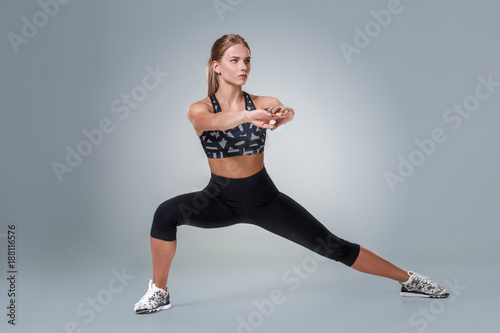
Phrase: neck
{"type": "Point", "coordinates": [229, 94]}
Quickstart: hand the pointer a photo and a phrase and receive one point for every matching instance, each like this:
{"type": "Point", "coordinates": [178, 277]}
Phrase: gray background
{"type": "Point", "coordinates": [353, 121]}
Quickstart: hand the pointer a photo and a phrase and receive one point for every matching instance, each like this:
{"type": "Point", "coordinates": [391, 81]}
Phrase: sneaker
{"type": "Point", "coordinates": [421, 286]}
{"type": "Point", "coordinates": [155, 299]}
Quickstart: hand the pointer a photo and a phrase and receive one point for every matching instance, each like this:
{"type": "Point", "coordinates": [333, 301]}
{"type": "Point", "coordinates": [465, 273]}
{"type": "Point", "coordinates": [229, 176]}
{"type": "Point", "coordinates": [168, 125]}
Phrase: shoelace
{"type": "Point", "coordinates": [425, 279]}
{"type": "Point", "coordinates": [416, 276]}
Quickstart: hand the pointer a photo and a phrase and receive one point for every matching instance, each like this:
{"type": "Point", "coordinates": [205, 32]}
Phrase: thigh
{"type": "Point", "coordinates": [199, 209]}
{"type": "Point", "coordinates": [286, 218]}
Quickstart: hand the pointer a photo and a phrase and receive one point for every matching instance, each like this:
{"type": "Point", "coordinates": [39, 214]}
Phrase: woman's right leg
{"type": "Point", "coordinates": [163, 253]}
{"type": "Point", "coordinates": [200, 209]}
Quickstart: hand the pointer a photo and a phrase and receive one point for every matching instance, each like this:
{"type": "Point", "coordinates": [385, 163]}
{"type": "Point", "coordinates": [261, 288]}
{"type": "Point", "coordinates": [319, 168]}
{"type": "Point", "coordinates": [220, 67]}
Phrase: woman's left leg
{"type": "Point", "coordinates": [285, 217]}
{"type": "Point", "coordinates": [370, 263]}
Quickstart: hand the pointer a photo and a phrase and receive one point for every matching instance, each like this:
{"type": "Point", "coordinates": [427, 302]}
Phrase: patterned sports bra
{"type": "Point", "coordinates": [244, 139]}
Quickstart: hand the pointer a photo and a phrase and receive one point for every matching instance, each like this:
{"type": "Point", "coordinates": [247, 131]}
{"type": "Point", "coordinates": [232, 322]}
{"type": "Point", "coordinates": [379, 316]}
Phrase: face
{"type": "Point", "coordinates": [234, 65]}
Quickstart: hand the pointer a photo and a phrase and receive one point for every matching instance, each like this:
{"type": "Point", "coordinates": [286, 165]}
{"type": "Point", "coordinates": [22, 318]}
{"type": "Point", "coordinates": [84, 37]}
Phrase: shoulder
{"type": "Point", "coordinates": [264, 101]}
{"type": "Point", "coordinates": [204, 105]}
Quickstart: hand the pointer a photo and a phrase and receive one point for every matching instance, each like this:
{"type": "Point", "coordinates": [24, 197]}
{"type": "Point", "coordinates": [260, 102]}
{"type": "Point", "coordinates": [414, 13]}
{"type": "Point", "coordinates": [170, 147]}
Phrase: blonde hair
{"type": "Point", "coordinates": [218, 49]}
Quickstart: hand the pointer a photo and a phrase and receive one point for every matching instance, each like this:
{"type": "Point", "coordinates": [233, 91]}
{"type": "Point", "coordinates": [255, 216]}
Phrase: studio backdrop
{"type": "Point", "coordinates": [394, 146]}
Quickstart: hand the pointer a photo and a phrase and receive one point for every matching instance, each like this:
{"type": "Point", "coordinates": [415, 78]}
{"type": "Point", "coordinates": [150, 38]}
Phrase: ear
{"type": "Point", "coordinates": [215, 66]}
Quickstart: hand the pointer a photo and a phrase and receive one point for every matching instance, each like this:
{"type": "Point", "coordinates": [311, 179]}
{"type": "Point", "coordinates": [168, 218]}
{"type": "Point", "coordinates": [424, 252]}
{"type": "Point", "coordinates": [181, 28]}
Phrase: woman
{"type": "Point", "coordinates": [231, 125]}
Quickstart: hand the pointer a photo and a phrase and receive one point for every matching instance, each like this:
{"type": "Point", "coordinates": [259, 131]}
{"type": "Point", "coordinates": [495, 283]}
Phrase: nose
{"type": "Point", "coordinates": [244, 66]}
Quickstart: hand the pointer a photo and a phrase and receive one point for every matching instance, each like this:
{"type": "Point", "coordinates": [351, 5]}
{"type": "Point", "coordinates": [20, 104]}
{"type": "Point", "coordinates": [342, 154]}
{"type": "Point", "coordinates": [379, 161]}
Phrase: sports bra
{"type": "Point", "coordinates": [244, 139]}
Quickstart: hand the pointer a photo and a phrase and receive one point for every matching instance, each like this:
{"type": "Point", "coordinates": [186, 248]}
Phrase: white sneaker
{"type": "Point", "coordinates": [155, 299]}
{"type": "Point", "coordinates": [421, 286]}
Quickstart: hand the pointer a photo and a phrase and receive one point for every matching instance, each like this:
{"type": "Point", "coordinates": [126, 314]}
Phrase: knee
{"type": "Point", "coordinates": [165, 222]}
{"type": "Point", "coordinates": [338, 249]}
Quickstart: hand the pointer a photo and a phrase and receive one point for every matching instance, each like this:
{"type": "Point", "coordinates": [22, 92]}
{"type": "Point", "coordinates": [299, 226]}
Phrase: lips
{"type": "Point", "coordinates": [243, 76]}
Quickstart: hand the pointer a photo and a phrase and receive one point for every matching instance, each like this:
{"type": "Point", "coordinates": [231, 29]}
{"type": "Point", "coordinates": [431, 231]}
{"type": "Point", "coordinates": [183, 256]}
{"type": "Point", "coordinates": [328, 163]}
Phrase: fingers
{"type": "Point", "coordinates": [271, 117]}
{"type": "Point", "coordinates": [277, 111]}
{"type": "Point", "coordinates": [277, 123]}
{"type": "Point", "coordinates": [279, 120]}
{"type": "Point", "coordinates": [272, 127]}
{"type": "Point", "coordinates": [273, 110]}
{"type": "Point", "coordinates": [260, 114]}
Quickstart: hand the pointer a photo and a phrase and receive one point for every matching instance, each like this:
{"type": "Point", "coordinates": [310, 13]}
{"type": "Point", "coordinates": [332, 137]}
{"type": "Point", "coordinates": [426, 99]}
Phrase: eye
{"type": "Point", "coordinates": [247, 61]}
{"type": "Point", "coordinates": [234, 60]}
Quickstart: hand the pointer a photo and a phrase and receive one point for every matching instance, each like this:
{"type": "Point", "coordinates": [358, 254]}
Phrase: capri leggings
{"type": "Point", "coordinates": [254, 200]}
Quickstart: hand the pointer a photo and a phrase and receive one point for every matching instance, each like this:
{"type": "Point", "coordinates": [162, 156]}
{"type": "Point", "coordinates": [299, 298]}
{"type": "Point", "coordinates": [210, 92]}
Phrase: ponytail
{"type": "Point", "coordinates": [212, 78]}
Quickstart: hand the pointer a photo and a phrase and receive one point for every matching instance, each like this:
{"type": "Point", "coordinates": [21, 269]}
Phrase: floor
{"type": "Point", "coordinates": [307, 294]}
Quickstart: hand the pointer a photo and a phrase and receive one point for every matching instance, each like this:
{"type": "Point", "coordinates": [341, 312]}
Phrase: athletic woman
{"type": "Point", "coordinates": [231, 125]}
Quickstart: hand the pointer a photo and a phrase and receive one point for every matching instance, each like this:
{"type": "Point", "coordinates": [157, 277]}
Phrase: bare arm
{"type": "Point", "coordinates": [204, 120]}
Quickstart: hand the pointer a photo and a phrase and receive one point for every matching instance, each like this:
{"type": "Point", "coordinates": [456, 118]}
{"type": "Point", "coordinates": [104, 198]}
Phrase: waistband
{"type": "Point", "coordinates": [256, 177]}
{"type": "Point", "coordinates": [257, 187]}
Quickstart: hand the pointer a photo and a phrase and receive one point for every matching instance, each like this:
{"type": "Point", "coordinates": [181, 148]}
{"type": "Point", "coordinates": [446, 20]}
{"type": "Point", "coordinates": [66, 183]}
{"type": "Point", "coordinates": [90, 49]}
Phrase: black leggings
{"type": "Point", "coordinates": [255, 200]}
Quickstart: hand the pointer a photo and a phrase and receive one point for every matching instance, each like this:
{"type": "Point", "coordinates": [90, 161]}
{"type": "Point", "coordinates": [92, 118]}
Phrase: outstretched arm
{"type": "Point", "coordinates": [204, 120]}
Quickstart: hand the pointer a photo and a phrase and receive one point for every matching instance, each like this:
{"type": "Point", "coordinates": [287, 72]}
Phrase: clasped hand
{"type": "Point", "coordinates": [271, 117]}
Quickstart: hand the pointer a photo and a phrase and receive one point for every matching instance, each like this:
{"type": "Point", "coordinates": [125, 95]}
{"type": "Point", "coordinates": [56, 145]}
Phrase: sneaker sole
{"type": "Point", "coordinates": [410, 294]}
{"type": "Point", "coordinates": [163, 307]}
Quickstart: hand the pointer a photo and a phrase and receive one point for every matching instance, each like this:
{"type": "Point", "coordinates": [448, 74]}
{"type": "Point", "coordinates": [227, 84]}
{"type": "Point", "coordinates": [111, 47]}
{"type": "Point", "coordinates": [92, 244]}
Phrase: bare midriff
{"type": "Point", "coordinates": [237, 166]}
